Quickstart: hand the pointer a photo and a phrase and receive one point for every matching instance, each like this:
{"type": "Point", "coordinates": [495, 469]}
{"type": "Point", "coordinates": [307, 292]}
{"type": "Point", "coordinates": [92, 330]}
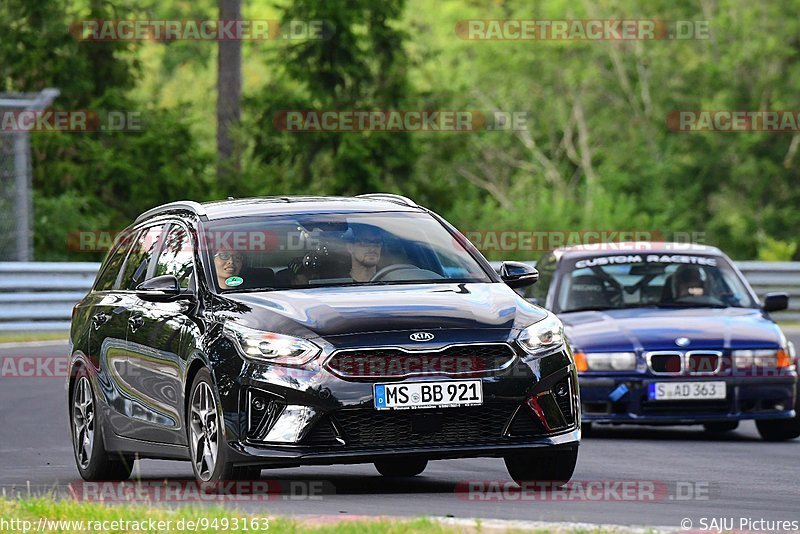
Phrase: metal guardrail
{"type": "Point", "coordinates": [40, 296]}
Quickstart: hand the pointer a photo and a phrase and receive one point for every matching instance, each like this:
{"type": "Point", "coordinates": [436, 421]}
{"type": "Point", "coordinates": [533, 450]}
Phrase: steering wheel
{"type": "Point", "coordinates": [380, 275]}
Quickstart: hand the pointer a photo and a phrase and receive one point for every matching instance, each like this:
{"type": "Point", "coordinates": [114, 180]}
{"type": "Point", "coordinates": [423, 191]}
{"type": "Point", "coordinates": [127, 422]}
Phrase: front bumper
{"type": "Point", "coordinates": [318, 418]}
{"type": "Point", "coordinates": [747, 398]}
{"type": "Point", "coordinates": [296, 456]}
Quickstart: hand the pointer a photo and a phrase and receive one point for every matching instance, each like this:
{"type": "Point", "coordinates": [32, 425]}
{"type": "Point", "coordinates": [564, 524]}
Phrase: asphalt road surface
{"type": "Point", "coordinates": [663, 474]}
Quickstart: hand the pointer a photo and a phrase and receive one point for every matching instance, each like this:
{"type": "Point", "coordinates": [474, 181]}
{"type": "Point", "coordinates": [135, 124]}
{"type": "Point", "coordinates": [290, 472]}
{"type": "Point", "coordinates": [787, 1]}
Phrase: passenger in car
{"type": "Point", "coordinates": [227, 265]}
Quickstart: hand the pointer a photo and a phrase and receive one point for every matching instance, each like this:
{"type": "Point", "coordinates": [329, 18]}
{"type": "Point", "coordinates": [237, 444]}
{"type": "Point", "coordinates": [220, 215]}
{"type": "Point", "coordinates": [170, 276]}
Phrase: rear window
{"type": "Point", "coordinates": [177, 256]}
{"type": "Point", "coordinates": [111, 267]}
{"type": "Point", "coordinates": [135, 270]}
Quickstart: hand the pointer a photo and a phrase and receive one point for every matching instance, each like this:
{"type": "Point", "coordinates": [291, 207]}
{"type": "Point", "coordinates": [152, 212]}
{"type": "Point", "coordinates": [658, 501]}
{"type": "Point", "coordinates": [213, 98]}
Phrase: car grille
{"type": "Point", "coordinates": [371, 428]}
{"type": "Point", "coordinates": [454, 360]}
{"type": "Point", "coordinates": [693, 362]}
{"type": "Point", "coordinates": [665, 363]}
{"type": "Point", "coordinates": [703, 363]}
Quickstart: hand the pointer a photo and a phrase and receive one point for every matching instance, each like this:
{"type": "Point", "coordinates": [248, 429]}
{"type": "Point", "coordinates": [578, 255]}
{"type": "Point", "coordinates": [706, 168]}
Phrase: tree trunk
{"type": "Point", "coordinates": [229, 92]}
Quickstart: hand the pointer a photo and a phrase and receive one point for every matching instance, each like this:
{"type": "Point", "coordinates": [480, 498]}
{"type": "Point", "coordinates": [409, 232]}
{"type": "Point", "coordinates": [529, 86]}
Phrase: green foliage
{"type": "Point", "coordinates": [597, 153]}
{"type": "Point", "coordinates": [362, 66]}
{"type": "Point", "coordinates": [775, 250]}
{"type": "Point", "coordinates": [93, 180]}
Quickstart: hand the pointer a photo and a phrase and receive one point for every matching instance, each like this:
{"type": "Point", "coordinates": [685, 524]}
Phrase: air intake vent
{"type": "Point", "coordinates": [263, 409]}
{"type": "Point", "coordinates": [562, 392]}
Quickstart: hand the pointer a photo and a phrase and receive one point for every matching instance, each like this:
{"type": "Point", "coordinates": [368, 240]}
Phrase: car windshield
{"type": "Point", "coordinates": [651, 280]}
{"type": "Point", "coordinates": [338, 249]}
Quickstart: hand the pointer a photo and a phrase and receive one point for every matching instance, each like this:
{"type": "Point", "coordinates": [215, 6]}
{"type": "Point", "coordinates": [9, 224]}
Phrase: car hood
{"type": "Point", "coordinates": [657, 329]}
{"type": "Point", "coordinates": [392, 308]}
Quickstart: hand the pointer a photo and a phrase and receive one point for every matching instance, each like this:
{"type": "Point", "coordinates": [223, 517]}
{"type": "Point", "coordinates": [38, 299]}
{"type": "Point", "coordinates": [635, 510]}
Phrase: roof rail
{"type": "Point", "coordinates": [189, 205]}
{"type": "Point", "coordinates": [390, 197]}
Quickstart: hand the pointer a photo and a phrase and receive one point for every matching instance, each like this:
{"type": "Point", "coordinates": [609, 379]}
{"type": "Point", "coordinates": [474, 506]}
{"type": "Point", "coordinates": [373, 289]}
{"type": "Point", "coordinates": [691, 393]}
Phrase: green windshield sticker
{"type": "Point", "coordinates": [234, 281]}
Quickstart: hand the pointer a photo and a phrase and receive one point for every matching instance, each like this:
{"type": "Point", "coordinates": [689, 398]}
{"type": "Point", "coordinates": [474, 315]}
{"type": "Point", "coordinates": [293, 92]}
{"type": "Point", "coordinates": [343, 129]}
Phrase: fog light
{"type": "Point", "coordinates": [258, 404]}
{"type": "Point", "coordinates": [562, 390]}
{"type": "Point", "coordinates": [291, 424]}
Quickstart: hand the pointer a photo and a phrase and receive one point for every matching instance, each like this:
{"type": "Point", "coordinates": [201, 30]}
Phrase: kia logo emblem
{"type": "Point", "coordinates": [421, 336]}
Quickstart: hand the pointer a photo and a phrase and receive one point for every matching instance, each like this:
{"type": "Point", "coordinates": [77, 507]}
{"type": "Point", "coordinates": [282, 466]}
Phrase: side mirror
{"type": "Point", "coordinates": [776, 302]}
{"type": "Point", "coordinates": [159, 288]}
{"type": "Point", "coordinates": [517, 274]}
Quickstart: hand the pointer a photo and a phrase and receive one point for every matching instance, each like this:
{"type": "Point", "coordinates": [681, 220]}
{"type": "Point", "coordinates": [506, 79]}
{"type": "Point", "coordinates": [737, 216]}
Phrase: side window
{"type": "Point", "coordinates": [547, 268]}
{"type": "Point", "coordinates": [177, 256]}
{"type": "Point", "coordinates": [139, 259]}
{"type": "Point", "coordinates": [113, 263]}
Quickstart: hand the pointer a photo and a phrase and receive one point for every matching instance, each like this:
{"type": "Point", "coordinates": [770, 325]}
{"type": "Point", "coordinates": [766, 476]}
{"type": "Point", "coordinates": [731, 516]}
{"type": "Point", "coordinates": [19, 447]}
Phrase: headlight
{"type": "Point", "coordinates": [543, 336]}
{"type": "Point", "coordinates": [269, 347]}
{"type": "Point", "coordinates": [761, 358]}
{"type": "Point", "coordinates": [610, 361]}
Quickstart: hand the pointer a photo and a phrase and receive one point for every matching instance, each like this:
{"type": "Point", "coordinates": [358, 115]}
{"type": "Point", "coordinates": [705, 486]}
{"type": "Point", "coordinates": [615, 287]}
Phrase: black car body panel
{"type": "Point", "coordinates": [143, 353]}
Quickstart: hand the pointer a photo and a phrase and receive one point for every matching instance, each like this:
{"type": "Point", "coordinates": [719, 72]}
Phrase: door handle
{"type": "Point", "coordinates": [99, 320]}
{"type": "Point", "coordinates": [135, 322]}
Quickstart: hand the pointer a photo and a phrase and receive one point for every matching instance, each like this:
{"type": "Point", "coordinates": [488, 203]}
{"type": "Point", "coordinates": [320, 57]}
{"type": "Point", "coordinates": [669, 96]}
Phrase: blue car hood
{"type": "Point", "coordinates": [658, 328]}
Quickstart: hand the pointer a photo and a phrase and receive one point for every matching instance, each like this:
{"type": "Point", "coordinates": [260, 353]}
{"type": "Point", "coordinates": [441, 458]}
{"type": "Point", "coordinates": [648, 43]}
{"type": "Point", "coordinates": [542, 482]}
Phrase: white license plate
{"type": "Point", "coordinates": [443, 394]}
{"type": "Point", "coordinates": [686, 390]}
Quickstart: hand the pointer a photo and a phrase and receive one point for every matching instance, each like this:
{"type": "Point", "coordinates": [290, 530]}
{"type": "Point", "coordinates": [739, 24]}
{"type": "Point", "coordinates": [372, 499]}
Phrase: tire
{"type": "Point", "coordinates": [209, 452]}
{"type": "Point", "coordinates": [401, 468]}
{"type": "Point", "coordinates": [93, 461]}
{"type": "Point", "coordinates": [779, 429]}
{"type": "Point", "coordinates": [536, 465]}
{"type": "Point", "coordinates": [586, 429]}
{"type": "Point", "coordinates": [721, 426]}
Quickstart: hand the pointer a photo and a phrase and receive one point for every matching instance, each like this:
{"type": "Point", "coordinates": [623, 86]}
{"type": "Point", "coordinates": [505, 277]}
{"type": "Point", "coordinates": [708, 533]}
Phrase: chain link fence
{"type": "Point", "coordinates": [16, 204]}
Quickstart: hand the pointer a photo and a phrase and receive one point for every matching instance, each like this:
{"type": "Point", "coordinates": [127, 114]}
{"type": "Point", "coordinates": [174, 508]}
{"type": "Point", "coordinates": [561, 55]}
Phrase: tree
{"type": "Point", "coordinates": [229, 93]}
{"type": "Point", "coordinates": [360, 64]}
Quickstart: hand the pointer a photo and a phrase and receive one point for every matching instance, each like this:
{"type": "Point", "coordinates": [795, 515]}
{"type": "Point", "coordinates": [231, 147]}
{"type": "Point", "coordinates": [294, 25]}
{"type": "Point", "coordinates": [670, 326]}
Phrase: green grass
{"type": "Point", "coordinates": [21, 337]}
{"type": "Point", "coordinates": [32, 509]}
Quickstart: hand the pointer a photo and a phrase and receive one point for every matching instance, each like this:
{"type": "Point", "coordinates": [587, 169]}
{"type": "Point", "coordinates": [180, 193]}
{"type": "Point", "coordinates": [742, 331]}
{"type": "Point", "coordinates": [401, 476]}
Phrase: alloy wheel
{"type": "Point", "coordinates": [203, 426]}
{"type": "Point", "coordinates": [83, 422]}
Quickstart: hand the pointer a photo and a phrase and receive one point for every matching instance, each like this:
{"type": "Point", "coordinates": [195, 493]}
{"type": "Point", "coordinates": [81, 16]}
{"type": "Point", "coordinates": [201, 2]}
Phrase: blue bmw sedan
{"type": "Point", "coordinates": [667, 333]}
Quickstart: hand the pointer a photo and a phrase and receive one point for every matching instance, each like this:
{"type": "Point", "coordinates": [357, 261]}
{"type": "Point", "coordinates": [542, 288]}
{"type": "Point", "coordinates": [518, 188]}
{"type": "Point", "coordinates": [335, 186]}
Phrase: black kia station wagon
{"type": "Point", "coordinates": [277, 332]}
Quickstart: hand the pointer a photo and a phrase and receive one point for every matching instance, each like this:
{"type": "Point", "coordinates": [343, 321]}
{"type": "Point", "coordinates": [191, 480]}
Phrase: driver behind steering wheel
{"type": "Point", "coordinates": [364, 244]}
{"type": "Point", "coordinates": [688, 282]}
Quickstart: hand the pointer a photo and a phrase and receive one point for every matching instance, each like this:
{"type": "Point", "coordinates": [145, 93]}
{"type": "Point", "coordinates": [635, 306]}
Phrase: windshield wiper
{"type": "Point", "coordinates": [251, 290]}
{"type": "Point", "coordinates": [590, 308]}
{"type": "Point", "coordinates": [690, 305]}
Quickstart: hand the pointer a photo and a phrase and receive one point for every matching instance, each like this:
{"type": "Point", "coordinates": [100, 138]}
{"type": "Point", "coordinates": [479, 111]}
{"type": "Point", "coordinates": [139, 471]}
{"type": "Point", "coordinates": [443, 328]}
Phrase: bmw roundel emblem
{"type": "Point", "coordinates": [421, 336]}
{"type": "Point", "coordinates": [682, 341]}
